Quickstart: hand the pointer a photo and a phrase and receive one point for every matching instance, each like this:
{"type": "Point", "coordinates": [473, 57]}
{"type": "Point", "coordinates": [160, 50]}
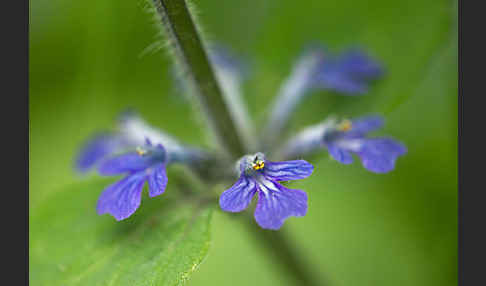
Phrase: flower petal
{"type": "Point", "coordinates": [287, 170]}
{"type": "Point", "coordinates": [339, 154]}
{"type": "Point", "coordinates": [334, 79]}
{"type": "Point", "coordinates": [239, 196]}
{"type": "Point", "coordinates": [157, 180]}
{"type": "Point", "coordinates": [349, 73]}
{"type": "Point", "coordinates": [379, 154]}
{"type": "Point", "coordinates": [361, 126]}
{"type": "Point", "coordinates": [360, 65]}
{"type": "Point", "coordinates": [276, 203]}
{"type": "Point", "coordinates": [130, 162]}
{"type": "Point", "coordinates": [122, 198]}
{"type": "Point", "coordinates": [97, 148]}
{"type": "Point", "coordinates": [135, 129]}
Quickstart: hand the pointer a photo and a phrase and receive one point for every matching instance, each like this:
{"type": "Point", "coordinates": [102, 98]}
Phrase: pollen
{"type": "Point", "coordinates": [345, 125]}
{"type": "Point", "coordinates": [258, 165]}
{"type": "Point", "coordinates": [141, 151]}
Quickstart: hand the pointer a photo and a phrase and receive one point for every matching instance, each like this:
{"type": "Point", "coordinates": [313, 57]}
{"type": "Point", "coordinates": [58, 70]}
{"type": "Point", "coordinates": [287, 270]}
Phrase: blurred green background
{"type": "Point", "coordinates": [87, 65]}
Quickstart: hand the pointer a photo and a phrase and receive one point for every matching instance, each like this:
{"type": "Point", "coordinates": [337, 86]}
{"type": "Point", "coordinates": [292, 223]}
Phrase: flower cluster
{"type": "Point", "coordinates": [142, 153]}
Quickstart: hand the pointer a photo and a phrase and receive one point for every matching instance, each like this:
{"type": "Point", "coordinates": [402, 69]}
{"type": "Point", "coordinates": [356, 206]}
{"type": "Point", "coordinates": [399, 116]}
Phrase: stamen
{"type": "Point", "coordinates": [258, 165]}
{"type": "Point", "coordinates": [140, 151]}
{"type": "Point", "coordinates": [345, 125]}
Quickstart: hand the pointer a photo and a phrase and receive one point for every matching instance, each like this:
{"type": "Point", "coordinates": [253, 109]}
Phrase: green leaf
{"type": "Point", "coordinates": [161, 244]}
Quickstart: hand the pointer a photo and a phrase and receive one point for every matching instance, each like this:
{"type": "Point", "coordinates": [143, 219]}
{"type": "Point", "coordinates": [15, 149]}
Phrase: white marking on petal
{"type": "Point", "coordinates": [308, 140]}
{"type": "Point", "coordinates": [265, 185]}
{"type": "Point", "coordinates": [137, 130]}
{"type": "Point", "coordinates": [353, 145]}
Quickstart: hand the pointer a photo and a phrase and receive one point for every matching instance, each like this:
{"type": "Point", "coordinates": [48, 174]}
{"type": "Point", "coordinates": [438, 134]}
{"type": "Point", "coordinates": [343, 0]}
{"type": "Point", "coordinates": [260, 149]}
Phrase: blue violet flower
{"type": "Point", "coordinates": [344, 138]}
{"type": "Point", "coordinates": [261, 177]}
{"type": "Point", "coordinates": [377, 154]}
{"type": "Point", "coordinates": [119, 152]}
{"type": "Point", "coordinates": [349, 73]}
{"type": "Point", "coordinates": [122, 198]}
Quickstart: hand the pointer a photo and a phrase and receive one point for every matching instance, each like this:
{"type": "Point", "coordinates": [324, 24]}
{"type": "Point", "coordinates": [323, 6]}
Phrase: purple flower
{"type": "Point", "coordinates": [348, 73]}
{"type": "Point", "coordinates": [119, 153]}
{"type": "Point", "coordinates": [275, 202]}
{"type": "Point", "coordinates": [344, 138]}
{"type": "Point", "coordinates": [377, 154]}
{"type": "Point", "coordinates": [122, 198]}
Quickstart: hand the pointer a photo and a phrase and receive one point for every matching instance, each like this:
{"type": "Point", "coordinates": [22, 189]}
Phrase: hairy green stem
{"type": "Point", "coordinates": [189, 52]}
{"type": "Point", "coordinates": [278, 245]}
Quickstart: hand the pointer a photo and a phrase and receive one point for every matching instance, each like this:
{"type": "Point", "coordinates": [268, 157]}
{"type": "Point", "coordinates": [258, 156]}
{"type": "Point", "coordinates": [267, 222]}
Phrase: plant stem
{"type": "Point", "coordinates": [190, 54]}
{"type": "Point", "coordinates": [277, 244]}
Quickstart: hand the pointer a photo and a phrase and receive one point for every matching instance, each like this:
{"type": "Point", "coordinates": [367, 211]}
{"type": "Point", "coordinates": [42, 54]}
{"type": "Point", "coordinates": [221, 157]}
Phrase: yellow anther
{"type": "Point", "coordinates": [345, 125]}
{"type": "Point", "coordinates": [141, 151]}
{"type": "Point", "coordinates": [258, 165]}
